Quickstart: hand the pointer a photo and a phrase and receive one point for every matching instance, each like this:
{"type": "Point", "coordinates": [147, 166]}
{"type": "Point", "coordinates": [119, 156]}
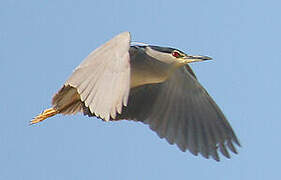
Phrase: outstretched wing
{"type": "Point", "coordinates": [181, 111]}
{"type": "Point", "coordinates": [103, 79]}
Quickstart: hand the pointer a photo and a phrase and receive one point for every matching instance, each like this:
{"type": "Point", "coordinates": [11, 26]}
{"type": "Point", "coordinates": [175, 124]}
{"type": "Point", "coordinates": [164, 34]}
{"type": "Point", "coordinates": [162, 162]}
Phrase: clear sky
{"type": "Point", "coordinates": [41, 42]}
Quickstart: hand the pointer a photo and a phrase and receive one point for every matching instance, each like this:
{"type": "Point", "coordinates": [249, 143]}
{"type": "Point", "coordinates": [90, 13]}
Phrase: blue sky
{"type": "Point", "coordinates": [41, 42]}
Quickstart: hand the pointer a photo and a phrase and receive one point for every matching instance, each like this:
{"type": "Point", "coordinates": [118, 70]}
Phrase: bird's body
{"type": "Point", "coordinates": [150, 84]}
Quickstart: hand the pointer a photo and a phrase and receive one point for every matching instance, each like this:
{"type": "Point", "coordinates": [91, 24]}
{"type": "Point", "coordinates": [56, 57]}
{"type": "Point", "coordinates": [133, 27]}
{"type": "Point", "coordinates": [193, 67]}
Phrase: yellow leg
{"type": "Point", "coordinates": [46, 114]}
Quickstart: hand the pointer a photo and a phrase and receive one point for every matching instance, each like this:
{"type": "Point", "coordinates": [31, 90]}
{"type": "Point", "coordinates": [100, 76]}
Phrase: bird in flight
{"type": "Point", "coordinates": [151, 84]}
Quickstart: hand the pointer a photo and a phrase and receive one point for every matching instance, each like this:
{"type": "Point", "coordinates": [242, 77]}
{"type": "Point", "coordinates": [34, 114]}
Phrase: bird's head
{"type": "Point", "coordinates": [172, 56]}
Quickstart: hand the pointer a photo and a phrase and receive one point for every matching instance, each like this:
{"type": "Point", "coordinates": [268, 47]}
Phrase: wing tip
{"type": "Point", "coordinates": [125, 35]}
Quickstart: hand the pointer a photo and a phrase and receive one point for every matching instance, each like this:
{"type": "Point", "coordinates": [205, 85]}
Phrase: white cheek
{"type": "Point", "coordinates": [166, 58]}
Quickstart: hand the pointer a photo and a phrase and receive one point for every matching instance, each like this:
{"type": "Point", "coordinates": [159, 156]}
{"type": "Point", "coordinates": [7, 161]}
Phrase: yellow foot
{"type": "Point", "coordinates": [46, 114]}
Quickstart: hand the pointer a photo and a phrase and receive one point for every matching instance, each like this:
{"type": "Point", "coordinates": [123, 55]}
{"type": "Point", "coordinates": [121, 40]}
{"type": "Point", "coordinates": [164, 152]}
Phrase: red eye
{"type": "Point", "coordinates": [176, 54]}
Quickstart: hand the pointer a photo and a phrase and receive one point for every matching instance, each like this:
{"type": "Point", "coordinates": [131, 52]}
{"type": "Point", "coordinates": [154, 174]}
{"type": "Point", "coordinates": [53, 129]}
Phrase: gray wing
{"type": "Point", "coordinates": [103, 79]}
{"type": "Point", "coordinates": [181, 111]}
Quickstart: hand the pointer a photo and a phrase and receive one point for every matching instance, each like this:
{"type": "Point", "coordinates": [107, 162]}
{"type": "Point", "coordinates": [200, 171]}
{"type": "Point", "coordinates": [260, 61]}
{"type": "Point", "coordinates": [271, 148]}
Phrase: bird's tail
{"type": "Point", "coordinates": [44, 115]}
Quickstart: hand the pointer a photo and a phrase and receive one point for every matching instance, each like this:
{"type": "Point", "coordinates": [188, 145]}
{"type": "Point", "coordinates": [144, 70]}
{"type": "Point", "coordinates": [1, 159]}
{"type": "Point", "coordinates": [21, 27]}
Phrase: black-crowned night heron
{"type": "Point", "coordinates": [150, 84]}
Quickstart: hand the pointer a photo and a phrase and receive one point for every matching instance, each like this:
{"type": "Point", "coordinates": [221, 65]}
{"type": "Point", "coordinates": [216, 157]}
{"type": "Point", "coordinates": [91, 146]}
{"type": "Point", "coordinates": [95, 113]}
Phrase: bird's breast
{"type": "Point", "coordinates": [147, 70]}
